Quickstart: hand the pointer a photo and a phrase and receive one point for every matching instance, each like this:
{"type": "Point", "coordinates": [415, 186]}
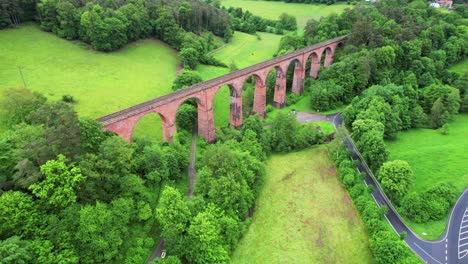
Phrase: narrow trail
{"type": "Point", "coordinates": [157, 251]}
{"type": "Point", "coordinates": [191, 168]}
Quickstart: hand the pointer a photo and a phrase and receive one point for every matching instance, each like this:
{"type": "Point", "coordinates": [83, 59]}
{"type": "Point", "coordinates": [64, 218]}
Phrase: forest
{"type": "Point", "coordinates": [73, 193]}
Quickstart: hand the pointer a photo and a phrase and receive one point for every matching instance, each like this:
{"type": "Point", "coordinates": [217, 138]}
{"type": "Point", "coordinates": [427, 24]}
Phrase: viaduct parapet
{"type": "Point", "coordinates": [123, 122]}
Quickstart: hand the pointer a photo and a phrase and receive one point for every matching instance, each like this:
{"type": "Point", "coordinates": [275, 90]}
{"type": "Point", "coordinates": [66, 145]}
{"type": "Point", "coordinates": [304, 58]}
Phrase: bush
{"type": "Point", "coordinates": [293, 98]}
{"type": "Point", "coordinates": [430, 205]}
{"type": "Point", "coordinates": [68, 99]}
{"type": "Point", "coordinates": [269, 108]}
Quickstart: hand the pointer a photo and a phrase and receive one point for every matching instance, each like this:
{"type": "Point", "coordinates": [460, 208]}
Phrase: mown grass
{"type": "Point", "coordinates": [245, 50]}
{"type": "Point", "coordinates": [435, 159]}
{"type": "Point", "coordinates": [303, 215]}
{"type": "Point", "coordinates": [272, 10]}
{"type": "Point", "coordinates": [100, 82]}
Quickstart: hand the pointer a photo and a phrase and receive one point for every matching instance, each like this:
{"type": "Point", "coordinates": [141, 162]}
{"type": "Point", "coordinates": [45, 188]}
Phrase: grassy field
{"type": "Point", "coordinates": [100, 82]}
{"type": "Point", "coordinates": [434, 158]}
{"type": "Point", "coordinates": [311, 221]}
{"type": "Point", "coordinates": [272, 10]}
{"type": "Point", "coordinates": [461, 67]}
{"type": "Point", "coordinates": [106, 82]}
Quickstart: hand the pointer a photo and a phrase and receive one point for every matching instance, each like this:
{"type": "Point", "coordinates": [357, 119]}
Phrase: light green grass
{"type": "Point", "coordinates": [327, 127]}
{"type": "Point", "coordinates": [100, 82]}
{"type": "Point", "coordinates": [103, 83]}
{"type": "Point", "coordinates": [461, 67]}
{"type": "Point", "coordinates": [303, 215]}
{"type": "Point", "coordinates": [435, 159]}
{"type": "Point", "coordinates": [245, 50]}
{"type": "Point", "coordinates": [272, 10]}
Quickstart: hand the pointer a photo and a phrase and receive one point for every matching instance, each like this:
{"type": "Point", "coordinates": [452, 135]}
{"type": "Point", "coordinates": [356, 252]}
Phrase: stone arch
{"type": "Point", "coordinates": [295, 76]}
{"type": "Point", "coordinates": [314, 63]}
{"type": "Point", "coordinates": [183, 110]}
{"type": "Point", "coordinates": [253, 95]}
{"type": "Point", "coordinates": [229, 98]}
{"type": "Point", "coordinates": [327, 56]}
{"type": "Point", "coordinates": [151, 119]}
{"type": "Point", "coordinates": [276, 85]}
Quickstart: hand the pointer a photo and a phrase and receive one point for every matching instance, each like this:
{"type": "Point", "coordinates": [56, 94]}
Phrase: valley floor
{"type": "Point", "coordinates": [304, 215]}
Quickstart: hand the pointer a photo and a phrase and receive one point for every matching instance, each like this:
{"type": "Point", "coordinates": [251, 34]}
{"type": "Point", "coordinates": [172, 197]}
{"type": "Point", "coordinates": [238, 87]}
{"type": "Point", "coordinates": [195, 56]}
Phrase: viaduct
{"type": "Point", "coordinates": [124, 121]}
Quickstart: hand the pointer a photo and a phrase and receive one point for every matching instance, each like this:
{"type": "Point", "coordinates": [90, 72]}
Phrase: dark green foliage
{"type": "Point", "coordinates": [249, 23]}
{"type": "Point", "coordinates": [186, 79]}
{"type": "Point", "coordinates": [189, 58]}
{"type": "Point", "coordinates": [108, 26]}
{"type": "Point", "coordinates": [187, 116]}
{"type": "Point", "coordinates": [91, 135]}
{"type": "Point", "coordinates": [325, 95]}
{"type": "Point", "coordinates": [287, 22]}
{"type": "Point", "coordinates": [395, 178]}
{"type": "Point", "coordinates": [432, 204]}
{"type": "Point", "coordinates": [286, 134]}
{"type": "Point", "coordinates": [61, 128]}
{"type": "Point", "coordinates": [281, 133]}
{"type": "Point", "coordinates": [372, 147]}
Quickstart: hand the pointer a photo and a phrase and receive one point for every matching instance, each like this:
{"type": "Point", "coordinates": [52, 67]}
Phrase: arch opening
{"type": "Point", "coordinates": [327, 57]}
{"type": "Point", "coordinates": [253, 96]}
{"type": "Point", "coordinates": [186, 118]}
{"type": "Point", "coordinates": [313, 65]}
{"type": "Point", "coordinates": [149, 128]}
{"type": "Point", "coordinates": [294, 81]}
{"type": "Point", "coordinates": [222, 106]}
{"type": "Point", "coordinates": [276, 87]}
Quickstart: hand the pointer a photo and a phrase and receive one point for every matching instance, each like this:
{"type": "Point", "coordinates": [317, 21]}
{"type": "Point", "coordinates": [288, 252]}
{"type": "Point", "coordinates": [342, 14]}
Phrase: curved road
{"type": "Point", "coordinates": [451, 248]}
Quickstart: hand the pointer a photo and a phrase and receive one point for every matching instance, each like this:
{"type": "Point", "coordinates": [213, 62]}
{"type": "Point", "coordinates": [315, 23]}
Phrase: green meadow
{"type": "Point", "coordinates": [435, 159]}
{"type": "Point", "coordinates": [273, 9]}
{"type": "Point", "coordinates": [303, 215]}
{"type": "Point", "coordinates": [103, 83]}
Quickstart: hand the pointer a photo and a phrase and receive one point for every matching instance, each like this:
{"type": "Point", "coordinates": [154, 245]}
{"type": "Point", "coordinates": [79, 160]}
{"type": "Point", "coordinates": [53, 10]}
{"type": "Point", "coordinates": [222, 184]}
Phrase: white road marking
{"type": "Point", "coordinates": [464, 244]}
{"type": "Point", "coordinates": [463, 252]}
{"type": "Point", "coordinates": [427, 253]}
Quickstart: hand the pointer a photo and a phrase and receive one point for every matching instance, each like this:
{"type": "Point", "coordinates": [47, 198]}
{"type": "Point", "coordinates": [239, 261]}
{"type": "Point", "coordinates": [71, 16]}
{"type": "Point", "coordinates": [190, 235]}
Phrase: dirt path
{"type": "Point", "coordinates": [192, 176]}
{"type": "Point", "coordinates": [191, 168]}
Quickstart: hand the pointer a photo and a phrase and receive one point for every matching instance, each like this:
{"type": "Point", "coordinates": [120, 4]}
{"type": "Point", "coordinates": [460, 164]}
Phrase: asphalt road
{"type": "Point", "coordinates": [451, 248]}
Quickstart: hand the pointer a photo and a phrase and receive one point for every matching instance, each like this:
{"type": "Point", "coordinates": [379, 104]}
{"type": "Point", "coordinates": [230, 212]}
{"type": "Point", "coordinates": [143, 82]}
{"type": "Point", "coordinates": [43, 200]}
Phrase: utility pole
{"type": "Point", "coordinates": [22, 77]}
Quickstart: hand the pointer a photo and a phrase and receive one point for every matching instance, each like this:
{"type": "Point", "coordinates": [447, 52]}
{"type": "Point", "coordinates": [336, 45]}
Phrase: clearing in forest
{"type": "Point", "coordinates": [303, 215]}
{"type": "Point", "coordinates": [435, 159]}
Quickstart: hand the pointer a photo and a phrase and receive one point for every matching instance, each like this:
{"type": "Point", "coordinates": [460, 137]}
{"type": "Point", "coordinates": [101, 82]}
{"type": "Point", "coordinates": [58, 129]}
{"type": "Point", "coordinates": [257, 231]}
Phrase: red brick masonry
{"type": "Point", "coordinates": [124, 121]}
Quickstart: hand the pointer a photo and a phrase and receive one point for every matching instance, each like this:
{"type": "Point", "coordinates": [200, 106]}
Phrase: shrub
{"type": "Point", "coordinates": [68, 99]}
{"type": "Point", "coordinates": [292, 98]}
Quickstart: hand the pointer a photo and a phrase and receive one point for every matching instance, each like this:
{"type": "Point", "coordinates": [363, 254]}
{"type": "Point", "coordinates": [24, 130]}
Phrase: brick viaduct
{"type": "Point", "coordinates": [124, 121]}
